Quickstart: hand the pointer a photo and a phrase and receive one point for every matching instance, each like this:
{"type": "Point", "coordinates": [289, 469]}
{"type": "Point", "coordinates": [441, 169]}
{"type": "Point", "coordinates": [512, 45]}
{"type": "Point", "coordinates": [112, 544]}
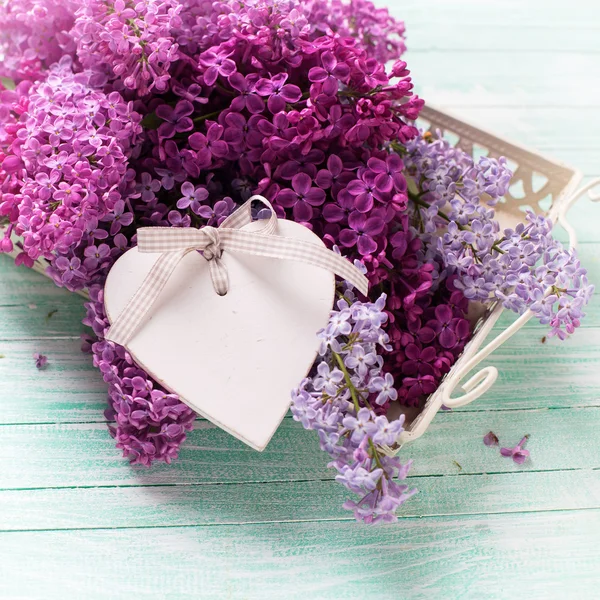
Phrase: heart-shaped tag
{"type": "Point", "coordinates": [234, 359]}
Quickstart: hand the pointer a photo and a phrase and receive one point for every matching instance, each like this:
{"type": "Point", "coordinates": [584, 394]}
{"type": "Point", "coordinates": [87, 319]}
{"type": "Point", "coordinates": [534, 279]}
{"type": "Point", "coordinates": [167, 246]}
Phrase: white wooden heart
{"type": "Point", "coordinates": [234, 359]}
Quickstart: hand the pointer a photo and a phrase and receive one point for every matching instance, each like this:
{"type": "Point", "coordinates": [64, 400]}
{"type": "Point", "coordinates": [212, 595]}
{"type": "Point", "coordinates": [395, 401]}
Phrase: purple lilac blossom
{"type": "Point", "coordinates": [41, 361]}
{"type": "Point", "coordinates": [518, 453]}
{"type": "Point", "coordinates": [490, 439]}
{"type": "Point", "coordinates": [147, 422]}
{"type": "Point", "coordinates": [337, 401]}
{"type": "Point", "coordinates": [132, 40]}
{"type": "Point", "coordinates": [288, 99]}
{"type": "Point", "coordinates": [524, 268]}
{"type": "Point", "coordinates": [34, 34]}
{"type": "Point", "coordinates": [71, 143]}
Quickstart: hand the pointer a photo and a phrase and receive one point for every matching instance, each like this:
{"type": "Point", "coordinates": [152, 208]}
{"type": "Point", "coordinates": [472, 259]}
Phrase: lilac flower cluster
{"type": "Point", "coordinates": [150, 424]}
{"type": "Point", "coordinates": [34, 34]}
{"type": "Point", "coordinates": [523, 268]}
{"type": "Point", "coordinates": [69, 161]}
{"type": "Point", "coordinates": [128, 40]}
{"type": "Point", "coordinates": [338, 401]}
{"type": "Point", "coordinates": [376, 31]}
{"type": "Point", "coordinates": [172, 113]}
{"type": "Point", "coordinates": [291, 100]}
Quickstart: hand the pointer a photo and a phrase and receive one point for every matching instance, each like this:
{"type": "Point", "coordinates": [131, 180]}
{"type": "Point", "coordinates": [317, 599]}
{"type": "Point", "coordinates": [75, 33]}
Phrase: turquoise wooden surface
{"type": "Point", "coordinates": [76, 521]}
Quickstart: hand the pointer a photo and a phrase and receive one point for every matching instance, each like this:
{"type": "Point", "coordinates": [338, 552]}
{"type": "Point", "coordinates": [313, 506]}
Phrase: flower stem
{"type": "Point", "coordinates": [349, 383]}
{"type": "Point", "coordinates": [420, 202]}
{"type": "Point", "coordinates": [375, 454]}
{"type": "Point", "coordinates": [201, 118]}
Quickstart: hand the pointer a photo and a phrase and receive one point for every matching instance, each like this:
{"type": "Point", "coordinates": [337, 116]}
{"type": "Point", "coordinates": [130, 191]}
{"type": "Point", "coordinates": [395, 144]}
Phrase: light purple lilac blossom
{"type": "Point", "coordinates": [518, 453]}
{"type": "Point", "coordinates": [337, 401]}
{"type": "Point", "coordinates": [41, 360]}
{"type": "Point", "coordinates": [524, 268]}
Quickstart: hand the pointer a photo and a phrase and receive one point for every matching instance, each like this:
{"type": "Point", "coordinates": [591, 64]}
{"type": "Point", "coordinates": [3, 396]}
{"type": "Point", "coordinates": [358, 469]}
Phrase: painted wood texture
{"type": "Point", "coordinates": [76, 521]}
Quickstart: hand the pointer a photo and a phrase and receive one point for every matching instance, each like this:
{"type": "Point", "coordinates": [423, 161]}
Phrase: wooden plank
{"type": "Point", "coordinates": [495, 556]}
{"type": "Point", "coordinates": [69, 389]}
{"type": "Point", "coordinates": [537, 374]}
{"type": "Point", "coordinates": [38, 456]}
{"type": "Point", "coordinates": [187, 505]}
{"type": "Point", "coordinates": [32, 321]}
{"type": "Point", "coordinates": [558, 374]}
{"type": "Point", "coordinates": [490, 78]}
{"type": "Point", "coordinates": [20, 284]}
{"type": "Point", "coordinates": [510, 27]}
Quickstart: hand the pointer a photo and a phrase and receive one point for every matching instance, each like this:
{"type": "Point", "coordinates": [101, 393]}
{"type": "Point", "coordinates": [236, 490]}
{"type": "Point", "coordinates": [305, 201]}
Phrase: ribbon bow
{"type": "Point", "coordinates": [173, 243]}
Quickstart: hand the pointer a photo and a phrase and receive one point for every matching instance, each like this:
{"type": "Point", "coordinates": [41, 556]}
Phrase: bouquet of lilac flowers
{"type": "Point", "coordinates": [116, 114]}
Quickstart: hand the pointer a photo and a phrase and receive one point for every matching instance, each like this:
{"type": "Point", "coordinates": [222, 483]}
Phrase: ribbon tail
{"type": "Point", "coordinates": [127, 323]}
{"type": "Point", "coordinates": [219, 276]}
{"type": "Point", "coordinates": [283, 248]}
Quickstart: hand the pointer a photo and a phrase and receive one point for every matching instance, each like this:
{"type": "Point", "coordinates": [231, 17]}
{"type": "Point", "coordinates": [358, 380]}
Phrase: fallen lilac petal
{"type": "Point", "coordinates": [490, 439]}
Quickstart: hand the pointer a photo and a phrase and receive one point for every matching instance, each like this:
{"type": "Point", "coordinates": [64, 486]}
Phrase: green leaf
{"type": "Point", "coordinates": [151, 121]}
{"type": "Point", "coordinates": [8, 83]}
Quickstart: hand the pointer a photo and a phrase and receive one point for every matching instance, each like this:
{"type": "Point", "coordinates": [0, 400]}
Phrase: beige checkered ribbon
{"type": "Point", "coordinates": [173, 243]}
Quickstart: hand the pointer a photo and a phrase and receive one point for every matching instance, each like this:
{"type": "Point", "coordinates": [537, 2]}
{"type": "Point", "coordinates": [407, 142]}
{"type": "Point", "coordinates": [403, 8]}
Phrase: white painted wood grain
{"type": "Point", "coordinates": [289, 501]}
{"type": "Point", "coordinates": [544, 556]}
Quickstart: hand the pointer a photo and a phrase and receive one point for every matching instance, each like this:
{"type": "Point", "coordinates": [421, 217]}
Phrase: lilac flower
{"type": "Point", "coordinates": [148, 187]}
{"type": "Point", "coordinates": [168, 177]}
{"type": "Point", "coordinates": [360, 360]}
{"type": "Point", "coordinates": [524, 268]}
{"type": "Point", "coordinates": [365, 190]}
{"type": "Point", "coordinates": [150, 424]}
{"type": "Point", "coordinates": [339, 322]}
{"type": "Point", "coordinates": [67, 271]}
{"type": "Point", "coordinates": [176, 120]}
{"type": "Point", "coordinates": [41, 361]}
{"type": "Point", "coordinates": [384, 387]}
{"type": "Point", "coordinates": [389, 173]}
{"type": "Point", "coordinates": [334, 402]}
{"type": "Point", "coordinates": [362, 233]}
{"type": "Point", "coordinates": [357, 478]}
{"type": "Point", "coordinates": [217, 64]}
{"type": "Point", "coordinates": [302, 197]}
{"type": "Point", "coordinates": [278, 91]}
{"type": "Point", "coordinates": [192, 197]}
{"type": "Point", "coordinates": [387, 432]}
{"type": "Point", "coordinates": [35, 34]}
{"type": "Point", "coordinates": [328, 337]}
{"type": "Point", "coordinates": [330, 73]}
{"type": "Point", "coordinates": [490, 439]}
{"type": "Point", "coordinates": [209, 146]}
{"type": "Point", "coordinates": [61, 196]}
{"type": "Point", "coordinates": [96, 255]}
{"type": "Point", "coordinates": [120, 218]}
{"type": "Point", "coordinates": [241, 133]}
{"type": "Point", "coordinates": [361, 426]}
{"type": "Point", "coordinates": [247, 96]}
{"type": "Point", "coordinates": [134, 43]}
{"type": "Point", "coordinates": [333, 176]}
{"type": "Point", "coordinates": [420, 361]}
{"type": "Point", "coordinates": [518, 453]}
{"type": "Point", "coordinates": [328, 379]}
